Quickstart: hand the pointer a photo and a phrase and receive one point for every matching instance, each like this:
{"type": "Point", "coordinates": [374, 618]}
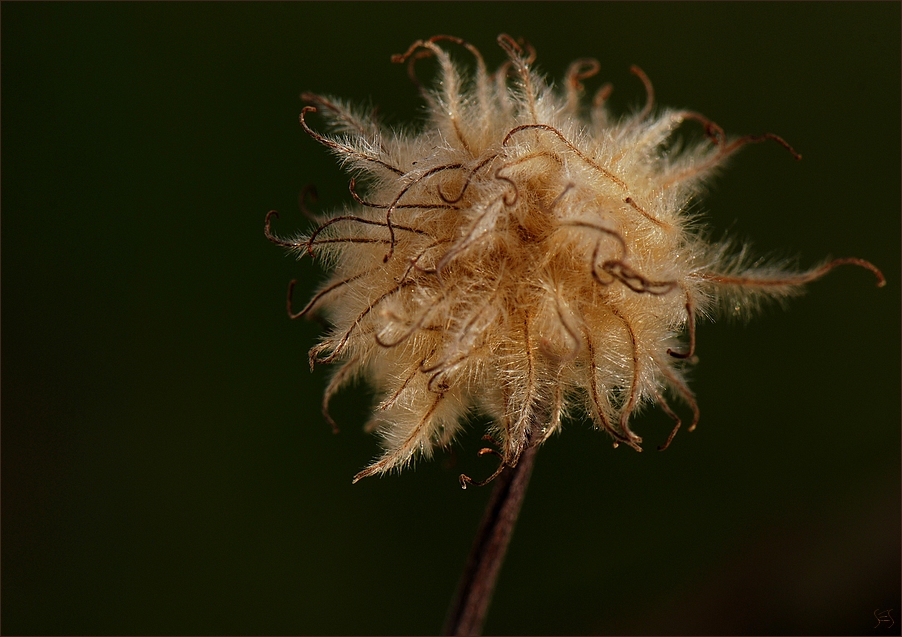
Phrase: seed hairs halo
{"type": "Point", "coordinates": [525, 256]}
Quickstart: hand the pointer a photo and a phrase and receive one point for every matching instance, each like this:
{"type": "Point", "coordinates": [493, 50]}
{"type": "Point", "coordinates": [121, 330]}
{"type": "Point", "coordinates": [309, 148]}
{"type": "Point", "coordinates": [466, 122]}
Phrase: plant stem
{"type": "Point", "coordinates": [477, 584]}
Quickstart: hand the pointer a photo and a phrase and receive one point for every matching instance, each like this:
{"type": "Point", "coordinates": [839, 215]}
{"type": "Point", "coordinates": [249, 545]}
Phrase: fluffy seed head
{"type": "Point", "coordinates": [524, 256]}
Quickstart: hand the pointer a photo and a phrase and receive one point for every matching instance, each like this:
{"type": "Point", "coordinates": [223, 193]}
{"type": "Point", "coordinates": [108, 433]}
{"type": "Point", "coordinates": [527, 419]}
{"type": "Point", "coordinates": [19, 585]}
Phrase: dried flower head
{"type": "Point", "coordinates": [524, 256]}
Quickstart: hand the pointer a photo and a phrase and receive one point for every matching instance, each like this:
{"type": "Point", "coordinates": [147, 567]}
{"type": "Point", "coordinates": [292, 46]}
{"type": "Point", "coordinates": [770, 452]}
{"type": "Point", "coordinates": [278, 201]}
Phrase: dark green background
{"type": "Point", "coordinates": [165, 468]}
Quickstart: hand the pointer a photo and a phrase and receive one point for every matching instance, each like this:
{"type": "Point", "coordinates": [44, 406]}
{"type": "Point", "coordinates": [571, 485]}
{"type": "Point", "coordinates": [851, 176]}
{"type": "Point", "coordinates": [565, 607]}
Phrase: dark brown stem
{"type": "Point", "coordinates": [474, 593]}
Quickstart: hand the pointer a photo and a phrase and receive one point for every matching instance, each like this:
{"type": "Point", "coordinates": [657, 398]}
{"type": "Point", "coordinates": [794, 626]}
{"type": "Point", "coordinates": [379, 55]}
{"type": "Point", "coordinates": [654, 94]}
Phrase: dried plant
{"type": "Point", "coordinates": [526, 257]}
{"type": "Point", "coordinates": [523, 256]}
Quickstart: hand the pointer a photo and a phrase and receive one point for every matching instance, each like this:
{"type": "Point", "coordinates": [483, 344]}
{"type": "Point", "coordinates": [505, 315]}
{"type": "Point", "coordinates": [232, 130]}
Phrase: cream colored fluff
{"type": "Point", "coordinates": [523, 256]}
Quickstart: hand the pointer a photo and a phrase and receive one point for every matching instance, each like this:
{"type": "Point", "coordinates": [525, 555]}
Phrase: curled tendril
{"type": "Point", "coordinates": [279, 241]}
{"type": "Point", "coordinates": [581, 69]}
{"type": "Point", "coordinates": [649, 92]}
{"type": "Point", "coordinates": [467, 480]}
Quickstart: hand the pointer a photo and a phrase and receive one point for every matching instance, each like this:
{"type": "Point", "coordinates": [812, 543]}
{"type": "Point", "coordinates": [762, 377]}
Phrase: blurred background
{"type": "Point", "coordinates": [165, 467]}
